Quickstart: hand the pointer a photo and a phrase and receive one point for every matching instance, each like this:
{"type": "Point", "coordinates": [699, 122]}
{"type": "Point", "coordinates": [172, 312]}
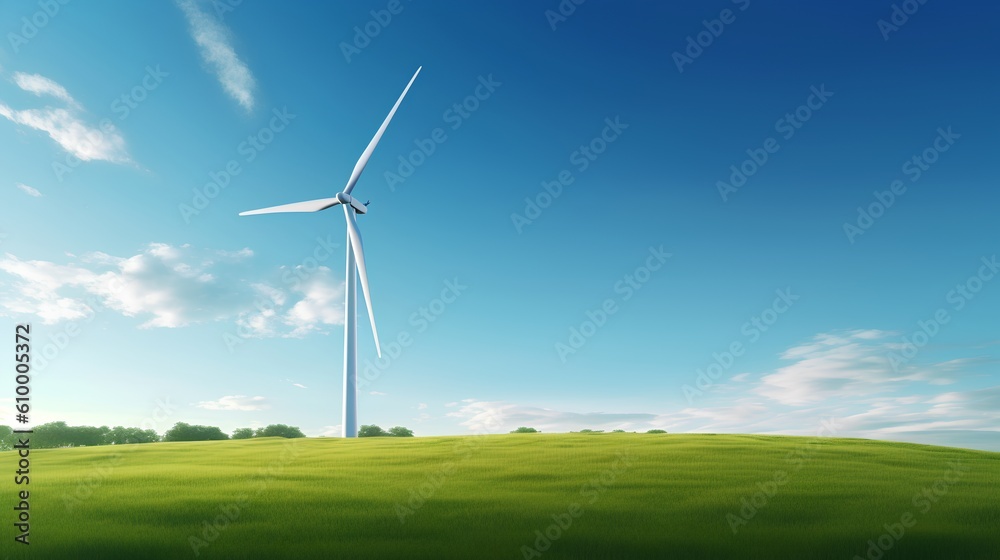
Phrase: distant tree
{"type": "Point", "coordinates": [242, 433]}
{"type": "Point", "coordinates": [145, 436]}
{"type": "Point", "coordinates": [400, 431]}
{"type": "Point", "coordinates": [371, 431]}
{"type": "Point", "coordinates": [525, 430]}
{"type": "Point", "coordinates": [617, 431]}
{"type": "Point", "coordinates": [656, 431]}
{"type": "Point", "coordinates": [589, 431]}
{"type": "Point", "coordinates": [116, 436]}
{"type": "Point", "coordinates": [187, 432]}
{"type": "Point", "coordinates": [279, 430]}
{"type": "Point", "coordinates": [88, 435]}
{"type": "Point", "coordinates": [58, 434]}
{"type": "Point", "coordinates": [51, 434]}
{"type": "Point", "coordinates": [120, 435]}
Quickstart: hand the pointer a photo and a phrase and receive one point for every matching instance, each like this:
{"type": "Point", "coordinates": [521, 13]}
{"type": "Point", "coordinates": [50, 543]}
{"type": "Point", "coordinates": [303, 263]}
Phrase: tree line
{"type": "Point", "coordinates": [59, 434]}
{"type": "Point", "coordinates": [371, 430]}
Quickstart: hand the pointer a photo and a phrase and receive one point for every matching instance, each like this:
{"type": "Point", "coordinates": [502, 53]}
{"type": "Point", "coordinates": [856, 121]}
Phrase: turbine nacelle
{"type": "Point", "coordinates": [347, 199]}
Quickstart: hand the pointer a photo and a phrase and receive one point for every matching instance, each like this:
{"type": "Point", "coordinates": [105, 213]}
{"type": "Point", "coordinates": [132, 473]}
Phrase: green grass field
{"type": "Point", "coordinates": [609, 495]}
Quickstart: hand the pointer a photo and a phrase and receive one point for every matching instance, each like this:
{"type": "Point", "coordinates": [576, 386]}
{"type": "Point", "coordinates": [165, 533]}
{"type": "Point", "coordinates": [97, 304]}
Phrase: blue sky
{"type": "Point", "coordinates": [608, 202]}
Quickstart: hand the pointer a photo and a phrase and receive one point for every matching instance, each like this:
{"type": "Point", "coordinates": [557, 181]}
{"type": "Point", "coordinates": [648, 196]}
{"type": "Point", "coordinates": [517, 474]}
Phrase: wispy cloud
{"type": "Point", "coordinates": [848, 364]}
{"type": "Point", "coordinates": [40, 85]}
{"type": "Point", "coordinates": [487, 415]}
{"type": "Point", "coordinates": [215, 42]}
{"type": "Point", "coordinates": [64, 124]}
{"type": "Point", "coordinates": [299, 385]}
{"type": "Point", "coordinates": [235, 256]}
{"type": "Point", "coordinates": [841, 381]}
{"type": "Point", "coordinates": [968, 418]}
{"type": "Point", "coordinates": [235, 402]}
{"type": "Point", "coordinates": [31, 191]}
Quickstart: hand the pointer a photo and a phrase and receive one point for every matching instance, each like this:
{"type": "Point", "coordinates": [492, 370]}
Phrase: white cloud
{"type": "Point", "coordinates": [957, 418]}
{"type": "Point", "coordinates": [215, 42]}
{"type": "Point", "coordinates": [36, 290]}
{"type": "Point", "coordinates": [318, 303]}
{"type": "Point", "coordinates": [40, 85]}
{"type": "Point", "coordinates": [235, 402]}
{"type": "Point", "coordinates": [422, 406]}
{"type": "Point", "coordinates": [837, 384]}
{"type": "Point", "coordinates": [167, 287]}
{"type": "Point", "coordinates": [502, 416]}
{"type": "Point", "coordinates": [173, 285]}
{"type": "Point", "coordinates": [322, 303]}
{"type": "Point", "coordinates": [70, 132]}
{"type": "Point", "coordinates": [331, 431]}
{"type": "Point", "coordinates": [244, 253]}
{"type": "Point", "coordinates": [851, 364]}
{"type": "Point", "coordinates": [30, 191]}
{"type": "Point", "coordinates": [65, 126]}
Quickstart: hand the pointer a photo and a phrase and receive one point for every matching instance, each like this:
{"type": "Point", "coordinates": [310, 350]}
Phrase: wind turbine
{"type": "Point", "coordinates": [355, 267]}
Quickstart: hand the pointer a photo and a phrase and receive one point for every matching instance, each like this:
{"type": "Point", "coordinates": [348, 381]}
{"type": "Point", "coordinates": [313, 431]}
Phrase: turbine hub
{"type": "Point", "coordinates": [344, 198]}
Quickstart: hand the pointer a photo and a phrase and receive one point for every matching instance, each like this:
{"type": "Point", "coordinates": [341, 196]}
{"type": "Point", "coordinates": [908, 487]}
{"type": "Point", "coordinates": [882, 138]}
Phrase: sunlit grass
{"type": "Point", "coordinates": [635, 496]}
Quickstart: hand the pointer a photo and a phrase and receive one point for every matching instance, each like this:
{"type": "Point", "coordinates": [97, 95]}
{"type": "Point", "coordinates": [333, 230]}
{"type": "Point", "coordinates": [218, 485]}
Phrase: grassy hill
{"type": "Point", "coordinates": [595, 495]}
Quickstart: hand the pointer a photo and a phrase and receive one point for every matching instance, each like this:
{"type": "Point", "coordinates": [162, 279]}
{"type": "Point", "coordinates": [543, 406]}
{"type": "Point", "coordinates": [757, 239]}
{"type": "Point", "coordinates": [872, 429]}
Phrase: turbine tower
{"type": "Point", "coordinates": [356, 269]}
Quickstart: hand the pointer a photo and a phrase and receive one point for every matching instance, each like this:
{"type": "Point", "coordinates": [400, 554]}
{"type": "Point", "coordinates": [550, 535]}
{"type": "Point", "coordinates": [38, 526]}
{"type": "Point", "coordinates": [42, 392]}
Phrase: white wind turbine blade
{"type": "Point", "coordinates": [307, 206]}
{"type": "Point", "coordinates": [363, 161]}
{"type": "Point", "coordinates": [359, 257]}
